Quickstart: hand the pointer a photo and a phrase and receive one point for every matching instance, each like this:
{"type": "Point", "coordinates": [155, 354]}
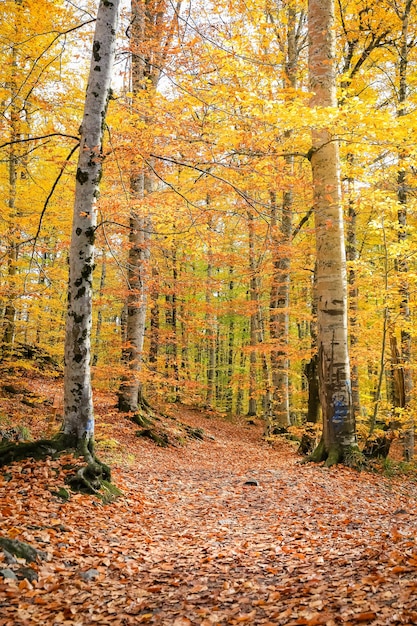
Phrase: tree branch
{"type": "Point", "coordinates": [25, 140]}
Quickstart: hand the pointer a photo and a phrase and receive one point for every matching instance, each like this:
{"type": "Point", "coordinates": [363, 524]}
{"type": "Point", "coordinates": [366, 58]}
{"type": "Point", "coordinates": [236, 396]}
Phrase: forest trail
{"type": "Point", "coordinates": [191, 544]}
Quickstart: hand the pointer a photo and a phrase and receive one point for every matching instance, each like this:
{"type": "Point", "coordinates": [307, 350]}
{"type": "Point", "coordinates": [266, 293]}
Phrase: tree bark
{"type": "Point", "coordinates": [279, 311]}
{"type": "Point", "coordinates": [339, 436]}
{"type": "Point", "coordinates": [281, 235]}
{"type": "Point", "coordinates": [211, 326]}
{"type": "Point", "coordinates": [230, 352]}
{"type": "Point", "coordinates": [252, 404]}
{"type": "Point", "coordinates": [9, 317]}
{"type": "Point", "coordinates": [150, 42]}
{"type": "Point", "coordinates": [402, 263]}
{"type": "Point", "coordinates": [78, 404]}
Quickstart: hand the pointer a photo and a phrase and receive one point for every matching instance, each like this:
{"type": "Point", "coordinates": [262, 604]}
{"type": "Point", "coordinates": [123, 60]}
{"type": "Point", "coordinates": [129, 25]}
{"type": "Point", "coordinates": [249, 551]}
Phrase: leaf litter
{"type": "Point", "coordinates": [228, 530]}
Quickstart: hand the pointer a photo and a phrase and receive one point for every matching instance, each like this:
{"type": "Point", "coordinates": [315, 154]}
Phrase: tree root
{"type": "Point", "coordinates": [90, 477]}
{"type": "Point", "coordinates": [350, 456]}
{"type": "Point", "coordinates": [160, 438]}
{"type": "Point", "coordinates": [87, 479]}
{"type": "Point", "coordinates": [142, 420]}
{"type": "Point", "coordinates": [38, 450]}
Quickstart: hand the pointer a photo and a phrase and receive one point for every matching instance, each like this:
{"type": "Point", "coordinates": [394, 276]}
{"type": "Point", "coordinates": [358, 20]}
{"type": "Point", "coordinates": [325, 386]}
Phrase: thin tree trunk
{"type": "Point", "coordinates": [240, 391]}
{"type": "Point", "coordinates": [252, 405]}
{"type": "Point", "coordinates": [211, 325]}
{"type": "Point", "coordinates": [150, 42]}
{"type": "Point", "coordinates": [352, 257]}
{"type": "Point", "coordinates": [281, 235]}
{"type": "Point", "coordinates": [130, 394]}
{"type": "Point", "coordinates": [279, 311]}
{"type": "Point", "coordinates": [154, 321]}
{"type": "Point", "coordinates": [9, 317]}
{"type": "Point", "coordinates": [402, 264]}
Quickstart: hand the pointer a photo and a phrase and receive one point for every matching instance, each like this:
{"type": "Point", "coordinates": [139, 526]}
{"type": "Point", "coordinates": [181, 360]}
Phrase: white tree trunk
{"type": "Point", "coordinates": [78, 403]}
{"type": "Point", "coordinates": [334, 369]}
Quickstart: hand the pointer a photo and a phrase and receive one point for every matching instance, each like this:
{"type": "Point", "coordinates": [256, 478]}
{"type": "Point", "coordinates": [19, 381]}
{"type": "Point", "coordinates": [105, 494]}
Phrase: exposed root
{"type": "Point", "coordinates": [309, 439]}
{"type": "Point", "coordinates": [160, 438]}
{"type": "Point", "coordinates": [87, 479]}
{"type": "Point", "coordinates": [165, 430]}
{"type": "Point", "coordinates": [350, 456]}
{"type": "Point", "coordinates": [143, 420]}
{"type": "Point", "coordinates": [38, 450]}
{"type": "Point", "coordinates": [90, 477]}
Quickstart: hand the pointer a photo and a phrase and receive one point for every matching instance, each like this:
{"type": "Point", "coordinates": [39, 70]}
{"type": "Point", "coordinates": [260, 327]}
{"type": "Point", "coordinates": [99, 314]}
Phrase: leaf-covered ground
{"type": "Point", "coordinates": [190, 543]}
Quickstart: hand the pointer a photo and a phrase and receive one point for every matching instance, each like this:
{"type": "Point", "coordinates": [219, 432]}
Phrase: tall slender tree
{"type": "Point", "coordinates": [78, 424]}
{"type": "Point", "coordinates": [151, 33]}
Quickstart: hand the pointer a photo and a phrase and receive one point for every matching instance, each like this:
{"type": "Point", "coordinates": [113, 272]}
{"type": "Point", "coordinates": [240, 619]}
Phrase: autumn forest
{"type": "Point", "coordinates": [208, 232]}
{"type": "Point", "coordinates": [206, 268]}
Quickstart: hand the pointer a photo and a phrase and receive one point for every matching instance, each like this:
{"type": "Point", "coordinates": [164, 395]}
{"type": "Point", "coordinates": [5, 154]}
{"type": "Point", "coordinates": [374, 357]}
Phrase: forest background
{"type": "Point", "coordinates": [215, 253]}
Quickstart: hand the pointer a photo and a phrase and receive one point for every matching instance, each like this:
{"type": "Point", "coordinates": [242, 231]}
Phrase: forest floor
{"type": "Point", "coordinates": [189, 543]}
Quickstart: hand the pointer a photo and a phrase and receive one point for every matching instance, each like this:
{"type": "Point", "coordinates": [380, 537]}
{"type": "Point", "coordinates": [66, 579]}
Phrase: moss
{"type": "Point", "coordinates": [37, 450]}
{"type": "Point", "coordinates": [319, 454]}
{"type": "Point", "coordinates": [87, 479]}
{"type": "Point", "coordinates": [62, 493]}
{"type": "Point", "coordinates": [161, 439]}
{"type": "Point", "coordinates": [194, 433]}
{"type": "Point", "coordinates": [90, 477]}
{"type": "Point", "coordinates": [109, 492]}
{"type": "Point", "coordinates": [334, 455]}
{"type": "Point", "coordinates": [354, 458]}
{"type": "Point", "coordinates": [19, 549]}
{"type": "Point", "coordinates": [142, 420]}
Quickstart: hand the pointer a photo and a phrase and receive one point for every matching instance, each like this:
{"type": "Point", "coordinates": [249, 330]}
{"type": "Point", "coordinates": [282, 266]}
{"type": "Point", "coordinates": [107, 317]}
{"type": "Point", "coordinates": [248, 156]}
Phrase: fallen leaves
{"type": "Point", "coordinates": [190, 545]}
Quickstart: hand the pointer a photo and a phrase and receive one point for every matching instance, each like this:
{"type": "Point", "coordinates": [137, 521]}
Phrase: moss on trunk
{"type": "Point", "coordinates": [335, 453]}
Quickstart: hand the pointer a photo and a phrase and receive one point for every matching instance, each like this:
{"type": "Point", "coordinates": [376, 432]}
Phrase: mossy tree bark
{"type": "Point", "coordinates": [339, 436]}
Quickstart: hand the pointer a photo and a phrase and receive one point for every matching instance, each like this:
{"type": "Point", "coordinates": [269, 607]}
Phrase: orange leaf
{"type": "Point", "coordinates": [364, 617]}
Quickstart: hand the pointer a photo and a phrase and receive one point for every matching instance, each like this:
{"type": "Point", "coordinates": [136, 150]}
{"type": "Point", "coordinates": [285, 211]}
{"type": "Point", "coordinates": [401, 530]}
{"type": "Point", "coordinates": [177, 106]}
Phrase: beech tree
{"type": "Point", "coordinates": [151, 32]}
{"type": "Point", "coordinates": [78, 405]}
{"type": "Point", "coordinates": [339, 437]}
{"type": "Point", "coordinates": [78, 425]}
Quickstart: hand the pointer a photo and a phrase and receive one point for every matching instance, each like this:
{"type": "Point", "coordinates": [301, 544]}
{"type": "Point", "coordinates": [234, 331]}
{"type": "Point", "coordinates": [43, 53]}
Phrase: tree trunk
{"type": "Point", "coordinates": [252, 406]}
{"type": "Point", "coordinates": [9, 317]}
{"type": "Point", "coordinates": [78, 404]}
{"type": "Point", "coordinates": [97, 339]}
{"type": "Point", "coordinates": [352, 257]}
{"type": "Point", "coordinates": [281, 235]}
{"type": "Point", "coordinates": [339, 436]}
{"type": "Point", "coordinates": [402, 263]}
{"type": "Point", "coordinates": [311, 369]}
{"type": "Point", "coordinates": [150, 42]}
{"type": "Point", "coordinates": [279, 311]}
{"type": "Point", "coordinates": [211, 329]}
{"type": "Point", "coordinates": [154, 321]}
{"type": "Point", "coordinates": [130, 394]}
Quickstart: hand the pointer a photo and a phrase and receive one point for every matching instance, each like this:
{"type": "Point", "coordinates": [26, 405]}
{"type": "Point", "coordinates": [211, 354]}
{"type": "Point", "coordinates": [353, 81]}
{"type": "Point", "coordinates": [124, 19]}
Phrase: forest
{"type": "Point", "coordinates": [208, 282]}
{"type": "Point", "coordinates": [208, 296]}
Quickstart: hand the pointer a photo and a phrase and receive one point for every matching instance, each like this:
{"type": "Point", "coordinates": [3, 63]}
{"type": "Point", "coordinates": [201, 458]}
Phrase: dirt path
{"type": "Point", "coordinates": [191, 543]}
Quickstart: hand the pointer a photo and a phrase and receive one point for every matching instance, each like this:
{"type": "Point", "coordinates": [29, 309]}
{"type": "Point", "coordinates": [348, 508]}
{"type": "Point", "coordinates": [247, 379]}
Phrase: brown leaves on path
{"type": "Point", "coordinates": [191, 544]}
